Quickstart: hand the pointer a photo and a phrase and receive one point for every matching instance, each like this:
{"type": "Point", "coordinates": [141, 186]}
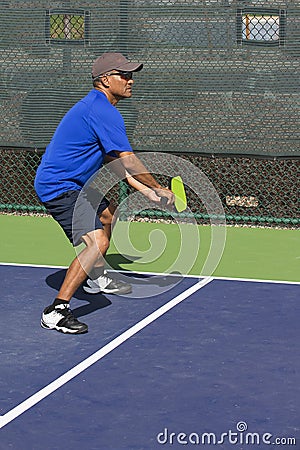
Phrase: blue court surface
{"type": "Point", "coordinates": [180, 363]}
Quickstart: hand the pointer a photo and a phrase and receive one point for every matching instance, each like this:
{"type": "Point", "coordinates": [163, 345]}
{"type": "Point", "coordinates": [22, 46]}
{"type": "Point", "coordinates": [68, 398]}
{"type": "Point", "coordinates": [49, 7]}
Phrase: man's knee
{"type": "Point", "coordinates": [107, 217]}
{"type": "Point", "coordinates": [96, 239]}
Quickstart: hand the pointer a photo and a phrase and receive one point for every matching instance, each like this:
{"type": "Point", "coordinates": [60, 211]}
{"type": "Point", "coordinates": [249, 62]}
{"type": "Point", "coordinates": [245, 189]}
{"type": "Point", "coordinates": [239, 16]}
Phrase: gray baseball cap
{"type": "Point", "coordinates": [114, 61]}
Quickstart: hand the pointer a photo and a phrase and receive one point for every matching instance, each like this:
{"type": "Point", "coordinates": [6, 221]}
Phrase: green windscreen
{"type": "Point", "coordinates": [219, 77]}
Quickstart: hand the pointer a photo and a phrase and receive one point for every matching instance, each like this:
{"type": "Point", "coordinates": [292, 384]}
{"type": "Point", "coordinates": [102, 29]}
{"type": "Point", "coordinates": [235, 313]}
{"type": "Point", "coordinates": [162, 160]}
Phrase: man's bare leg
{"type": "Point", "coordinates": [97, 244]}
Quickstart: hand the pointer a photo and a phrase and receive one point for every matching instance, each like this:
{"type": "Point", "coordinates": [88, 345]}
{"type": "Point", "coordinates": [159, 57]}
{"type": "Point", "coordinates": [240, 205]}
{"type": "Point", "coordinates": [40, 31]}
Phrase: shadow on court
{"type": "Point", "coordinates": [100, 301]}
{"type": "Point", "coordinates": [95, 302]}
{"type": "Point", "coordinates": [115, 260]}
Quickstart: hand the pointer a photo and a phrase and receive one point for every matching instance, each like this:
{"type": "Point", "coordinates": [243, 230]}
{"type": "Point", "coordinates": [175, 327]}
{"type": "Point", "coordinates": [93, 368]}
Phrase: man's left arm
{"type": "Point", "coordinates": [136, 169]}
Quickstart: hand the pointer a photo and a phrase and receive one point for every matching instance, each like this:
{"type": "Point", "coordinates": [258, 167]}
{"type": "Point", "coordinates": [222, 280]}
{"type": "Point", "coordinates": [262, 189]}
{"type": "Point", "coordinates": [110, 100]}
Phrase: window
{"type": "Point", "coordinates": [261, 26]}
{"type": "Point", "coordinates": [67, 27]}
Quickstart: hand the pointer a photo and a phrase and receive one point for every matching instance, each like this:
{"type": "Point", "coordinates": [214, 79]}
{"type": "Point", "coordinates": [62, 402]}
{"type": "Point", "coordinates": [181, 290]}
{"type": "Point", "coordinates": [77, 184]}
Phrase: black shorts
{"type": "Point", "coordinates": [77, 212]}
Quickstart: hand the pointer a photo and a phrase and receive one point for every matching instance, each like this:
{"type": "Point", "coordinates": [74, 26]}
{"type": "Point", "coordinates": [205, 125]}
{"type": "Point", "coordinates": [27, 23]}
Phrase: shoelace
{"type": "Point", "coordinates": [66, 312]}
{"type": "Point", "coordinates": [112, 281]}
{"type": "Point", "coordinates": [106, 279]}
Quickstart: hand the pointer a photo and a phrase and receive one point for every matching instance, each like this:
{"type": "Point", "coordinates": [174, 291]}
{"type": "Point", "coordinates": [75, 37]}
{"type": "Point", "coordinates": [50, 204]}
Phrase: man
{"type": "Point", "coordinates": [92, 130]}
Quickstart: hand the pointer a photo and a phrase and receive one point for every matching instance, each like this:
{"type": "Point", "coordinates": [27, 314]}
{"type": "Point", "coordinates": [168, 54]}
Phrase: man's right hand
{"type": "Point", "coordinates": [166, 196]}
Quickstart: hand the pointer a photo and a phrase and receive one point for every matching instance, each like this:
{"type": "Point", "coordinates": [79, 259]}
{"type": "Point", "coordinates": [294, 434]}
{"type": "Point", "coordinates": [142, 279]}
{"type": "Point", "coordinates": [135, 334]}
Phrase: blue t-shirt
{"type": "Point", "coordinates": [92, 128]}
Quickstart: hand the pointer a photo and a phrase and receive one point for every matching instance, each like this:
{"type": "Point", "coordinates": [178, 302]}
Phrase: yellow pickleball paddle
{"type": "Point", "coordinates": [177, 187]}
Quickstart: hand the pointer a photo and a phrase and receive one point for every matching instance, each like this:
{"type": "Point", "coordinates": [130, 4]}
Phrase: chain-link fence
{"type": "Point", "coordinates": [220, 85]}
{"type": "Point", "coordinates": [252, 191]}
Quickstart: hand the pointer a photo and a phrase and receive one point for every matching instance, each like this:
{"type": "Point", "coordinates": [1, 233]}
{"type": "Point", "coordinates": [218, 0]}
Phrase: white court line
{"type": "Point", "coordinates": [32, 265]}
{"type": "Point", "coordinates": [72, 373]}
{"type": "Point", "coordinates": [257, 280]}
{"type": "Point", "coordinates": [253, 280]}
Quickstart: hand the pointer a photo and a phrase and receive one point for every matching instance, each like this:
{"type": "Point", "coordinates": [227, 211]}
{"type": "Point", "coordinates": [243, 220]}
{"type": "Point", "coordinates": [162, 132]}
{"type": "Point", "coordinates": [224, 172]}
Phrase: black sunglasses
{"type": "Point", "coordinates": [126, 75]}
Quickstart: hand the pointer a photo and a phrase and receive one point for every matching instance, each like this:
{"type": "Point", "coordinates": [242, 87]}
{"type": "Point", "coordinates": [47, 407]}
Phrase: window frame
{"type": "Point", "coordinates": [67, 12]}
{"type": "Point", "coordinates": [281, 13]}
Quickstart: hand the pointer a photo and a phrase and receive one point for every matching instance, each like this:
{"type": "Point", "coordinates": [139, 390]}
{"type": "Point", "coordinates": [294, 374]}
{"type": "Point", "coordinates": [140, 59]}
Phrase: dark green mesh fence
{"type": "Point", "coordinates": [221, 77]}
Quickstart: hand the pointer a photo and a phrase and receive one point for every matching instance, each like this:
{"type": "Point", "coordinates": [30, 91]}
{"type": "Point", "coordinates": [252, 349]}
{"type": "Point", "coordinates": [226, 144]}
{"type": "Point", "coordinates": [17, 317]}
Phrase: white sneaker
{"type": "Point", "coordinates": [61, 318]}
{"type": "Point", "coordinates": [107, 285]}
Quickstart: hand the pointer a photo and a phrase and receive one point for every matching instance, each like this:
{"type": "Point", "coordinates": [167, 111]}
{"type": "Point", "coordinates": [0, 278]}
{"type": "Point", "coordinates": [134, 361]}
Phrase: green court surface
{"type": "Point", "coordinates": [255, 253]}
